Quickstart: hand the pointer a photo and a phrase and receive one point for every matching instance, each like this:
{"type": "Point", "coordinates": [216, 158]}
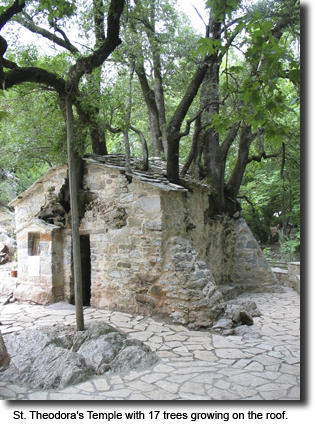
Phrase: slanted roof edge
{"type": "Point", "coordinates": [32, 188]}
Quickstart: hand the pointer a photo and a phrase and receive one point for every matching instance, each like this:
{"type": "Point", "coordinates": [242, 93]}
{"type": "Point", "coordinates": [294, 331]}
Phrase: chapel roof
{"type": "Point", "coordinates": [155, 175]}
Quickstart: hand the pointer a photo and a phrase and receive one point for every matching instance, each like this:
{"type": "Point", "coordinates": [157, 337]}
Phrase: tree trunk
{"type": "Point", "coordinates": [157, 76]}
{"type": "Point", "coordinates": [235, 181]}
{"type": "Point", "coordinates": [98, 139]}
{"type": "Point", "coordinates": [74, 219]}
{"type": "Point", "coordinates": [144, 148]}
{"type": "Point", "coordinates": [127, 152]}
{"type": "Point", "coordinates": [194, 146]}
{"type": "Point", "coordinates": [210, 92]}
{"type": "Point", "coordinates": [283, 212]}
{"type": "Point", "coordinates": [173, 127]}
{"type": "Point", "coordinates": [149, 98]}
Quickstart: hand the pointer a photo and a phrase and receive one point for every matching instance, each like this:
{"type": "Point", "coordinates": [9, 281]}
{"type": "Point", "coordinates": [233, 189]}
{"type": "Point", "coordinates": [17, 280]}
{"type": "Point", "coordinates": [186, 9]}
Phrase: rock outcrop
{"type": "Point", "coordinates": [58, 356]}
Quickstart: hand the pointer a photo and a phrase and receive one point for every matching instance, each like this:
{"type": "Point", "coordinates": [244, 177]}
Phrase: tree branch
{"type": "Point", "coordinates": [33, 75]}
{"type": "Point", "coordinates": [144, 148]}
{"type": "Point", "coordinates": [226, 144]}
{"type": "Point", "coordinates": [27, 22]}
{"type": "Point", "coordinates": [113, 130]}
{"type": "Point", "coordinates": [6, 16]}
{"type": "Point", "coordinates": [86, 64]}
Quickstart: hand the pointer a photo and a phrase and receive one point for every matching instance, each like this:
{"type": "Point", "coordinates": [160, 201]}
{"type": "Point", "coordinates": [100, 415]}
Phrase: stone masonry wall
{"type": "Point", "coordinates": [124, 224]}
{"type": "Point", "coordinates": [186, 290]}
{"type": "Point", "coordinates": [29, 205]}
{"type": "Point", "coordinates": [48, 286]}
{"type": "Point", "coordinates": [187, 215]}
{"type": "Point", "coordinates": [67, 270]}
{"type": "Point", "coordinates": [251, 268]}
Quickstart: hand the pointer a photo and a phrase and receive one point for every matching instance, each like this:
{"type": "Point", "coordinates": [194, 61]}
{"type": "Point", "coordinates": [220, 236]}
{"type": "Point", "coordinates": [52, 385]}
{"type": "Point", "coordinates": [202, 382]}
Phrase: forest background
{"type": "Point", "coordinates": [224, 101]}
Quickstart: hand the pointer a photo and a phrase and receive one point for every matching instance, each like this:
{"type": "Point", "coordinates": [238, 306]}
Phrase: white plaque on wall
{"type": "Point", "coordinates": [33, 265]}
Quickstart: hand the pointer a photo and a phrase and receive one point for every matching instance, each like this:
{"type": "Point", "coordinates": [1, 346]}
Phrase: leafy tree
{"type": "Point", "coordinates": [240, 89]}
{"type": "Point", "coordinates": [243, 100]}
{"type": "Point", "coordinates": [37, 16]}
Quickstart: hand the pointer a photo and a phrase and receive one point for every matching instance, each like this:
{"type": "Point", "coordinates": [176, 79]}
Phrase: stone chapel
{"type": "Point", "coordinates": [148, 246]}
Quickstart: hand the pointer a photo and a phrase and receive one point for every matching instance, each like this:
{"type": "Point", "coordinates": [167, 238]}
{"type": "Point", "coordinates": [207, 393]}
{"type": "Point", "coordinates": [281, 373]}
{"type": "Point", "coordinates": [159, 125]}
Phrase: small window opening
{"type": "Point", "coordinates": [34, 244]}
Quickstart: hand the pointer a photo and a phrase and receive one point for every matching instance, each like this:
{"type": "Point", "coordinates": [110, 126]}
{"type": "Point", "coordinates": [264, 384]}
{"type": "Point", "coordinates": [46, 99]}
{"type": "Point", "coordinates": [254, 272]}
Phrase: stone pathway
{"type": "Point", "coordinates": [193, 365]}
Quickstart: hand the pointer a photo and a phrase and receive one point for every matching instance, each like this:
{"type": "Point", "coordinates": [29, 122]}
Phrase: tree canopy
{"type": "Point", "coordinates": [142, 81]}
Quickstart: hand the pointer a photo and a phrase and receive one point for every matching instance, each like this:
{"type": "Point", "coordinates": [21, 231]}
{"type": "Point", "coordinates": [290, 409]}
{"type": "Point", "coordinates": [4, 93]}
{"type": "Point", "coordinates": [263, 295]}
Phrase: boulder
{"type": "Point", "coordinates": [4, 356]}
{"type": "Point", "coordinates": [58, 356]}
{"type": "Point", "coordinates": [238, 316]}
{"type": "Point", "coordinates": [241, 316]}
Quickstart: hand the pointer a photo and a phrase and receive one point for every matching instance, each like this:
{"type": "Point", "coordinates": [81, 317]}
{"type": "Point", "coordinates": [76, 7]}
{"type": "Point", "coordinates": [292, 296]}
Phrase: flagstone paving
{"type": "Point", "coordinates": [194, 365]}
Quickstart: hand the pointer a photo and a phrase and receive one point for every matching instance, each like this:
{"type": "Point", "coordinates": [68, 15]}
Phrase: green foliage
{"type": "Point", "coordinates": [223, 7]}
{"type": "Point", "coordinates": [259, 82]}
{"type": "Point", "coordinates": [289, 245]}
{"type": "Point", "coordinates": [267, 252]}
{"type": "Point", "coordinates": [3, 114]}
{"type": "Point", "coordinates": [57, 8]}
{"type": "Point", "coordinates": [32, 138]}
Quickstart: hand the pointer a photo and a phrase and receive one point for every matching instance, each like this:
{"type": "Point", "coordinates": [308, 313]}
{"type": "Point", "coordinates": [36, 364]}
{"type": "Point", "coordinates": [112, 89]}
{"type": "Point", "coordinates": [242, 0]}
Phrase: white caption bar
{"type": "Point", "coordinates": [22, 418]}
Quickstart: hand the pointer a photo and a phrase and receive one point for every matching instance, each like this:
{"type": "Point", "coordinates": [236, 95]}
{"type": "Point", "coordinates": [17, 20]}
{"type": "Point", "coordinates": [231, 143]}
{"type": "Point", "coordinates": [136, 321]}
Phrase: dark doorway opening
{"type": "Point", "coordinates": [86, 268]}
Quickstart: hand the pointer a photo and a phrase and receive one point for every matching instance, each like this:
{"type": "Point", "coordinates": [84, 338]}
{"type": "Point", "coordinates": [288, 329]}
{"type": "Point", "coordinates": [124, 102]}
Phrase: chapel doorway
{"type": "Point", "coordinates": [86, 268]}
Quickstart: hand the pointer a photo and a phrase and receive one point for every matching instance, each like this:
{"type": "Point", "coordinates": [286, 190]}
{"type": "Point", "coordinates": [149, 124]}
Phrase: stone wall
{"type": "Point", "coordinates": [294, 275]}
{"type": "Point", "coordinates": [186, 290]}
{"type": "Point", "coordinates": [67, 266]}
{"type": "Point", "coordinates": [187, 215]}
{"type": "Point", "coordinates": [29, 204]}
{"type": "Point", "coordinates": [40, 276]}
{"type": "Point", "coordinates": [251, 268]}
{"type": "Point", "coordinates": [124, 223]}
{"type": "Point", "coordinates": [289, 277]}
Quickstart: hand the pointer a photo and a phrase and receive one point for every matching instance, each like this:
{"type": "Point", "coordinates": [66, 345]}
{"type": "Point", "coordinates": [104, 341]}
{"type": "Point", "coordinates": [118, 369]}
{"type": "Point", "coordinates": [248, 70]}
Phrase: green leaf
{"type": "Point", "coordinates": [3, 115]}
{"type": "Point", "coordinates": [294, 75]}
{"type": "Point", "coordinates": [246, 96]}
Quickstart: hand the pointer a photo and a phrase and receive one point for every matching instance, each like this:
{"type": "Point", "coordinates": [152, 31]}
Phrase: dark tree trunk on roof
{"type": "Point", "coordinates": [173, 133]}
{"type": "Point", "coordinates": [235, 181]}
{"type": "Point", "coordinates": [149, 98]}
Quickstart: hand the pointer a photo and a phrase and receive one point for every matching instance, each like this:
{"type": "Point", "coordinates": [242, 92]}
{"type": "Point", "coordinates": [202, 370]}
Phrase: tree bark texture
{"type": "Point", "coordinates": [173, 127]}
{"type": "Point", "coordinates": [14, 9]}
{"type": "Point", "coordinates": [149, 98]}
{"type": "Point", "coordinates": [235, 181]}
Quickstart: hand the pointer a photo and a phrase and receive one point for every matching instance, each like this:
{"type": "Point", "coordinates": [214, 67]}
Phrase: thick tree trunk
{"type": "Point", "coordinates": [98, 140]}
{"type": "Point", "coordinates": [149, 98]}
{"type": "Point", "coordinates": [157, 76]}
{"type": "Point", "coordinates": [235, 181]}
{"type": "Point", "coordinates": [173, 127]}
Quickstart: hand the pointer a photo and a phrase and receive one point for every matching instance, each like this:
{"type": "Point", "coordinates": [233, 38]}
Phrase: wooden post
{"type": "Point", "coordinates": [74, 219]}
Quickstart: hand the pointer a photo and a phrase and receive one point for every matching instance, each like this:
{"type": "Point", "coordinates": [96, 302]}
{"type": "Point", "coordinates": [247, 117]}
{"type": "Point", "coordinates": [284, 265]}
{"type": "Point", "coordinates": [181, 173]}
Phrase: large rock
{"type": "Point", "coordinates": [4, 356]}
{"type": "Point", "coordinates": [58, 356]}
{"type": "Point", "coordinates": [238, 317]}
{"type": "Point", "coordinates": [7, 230]}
